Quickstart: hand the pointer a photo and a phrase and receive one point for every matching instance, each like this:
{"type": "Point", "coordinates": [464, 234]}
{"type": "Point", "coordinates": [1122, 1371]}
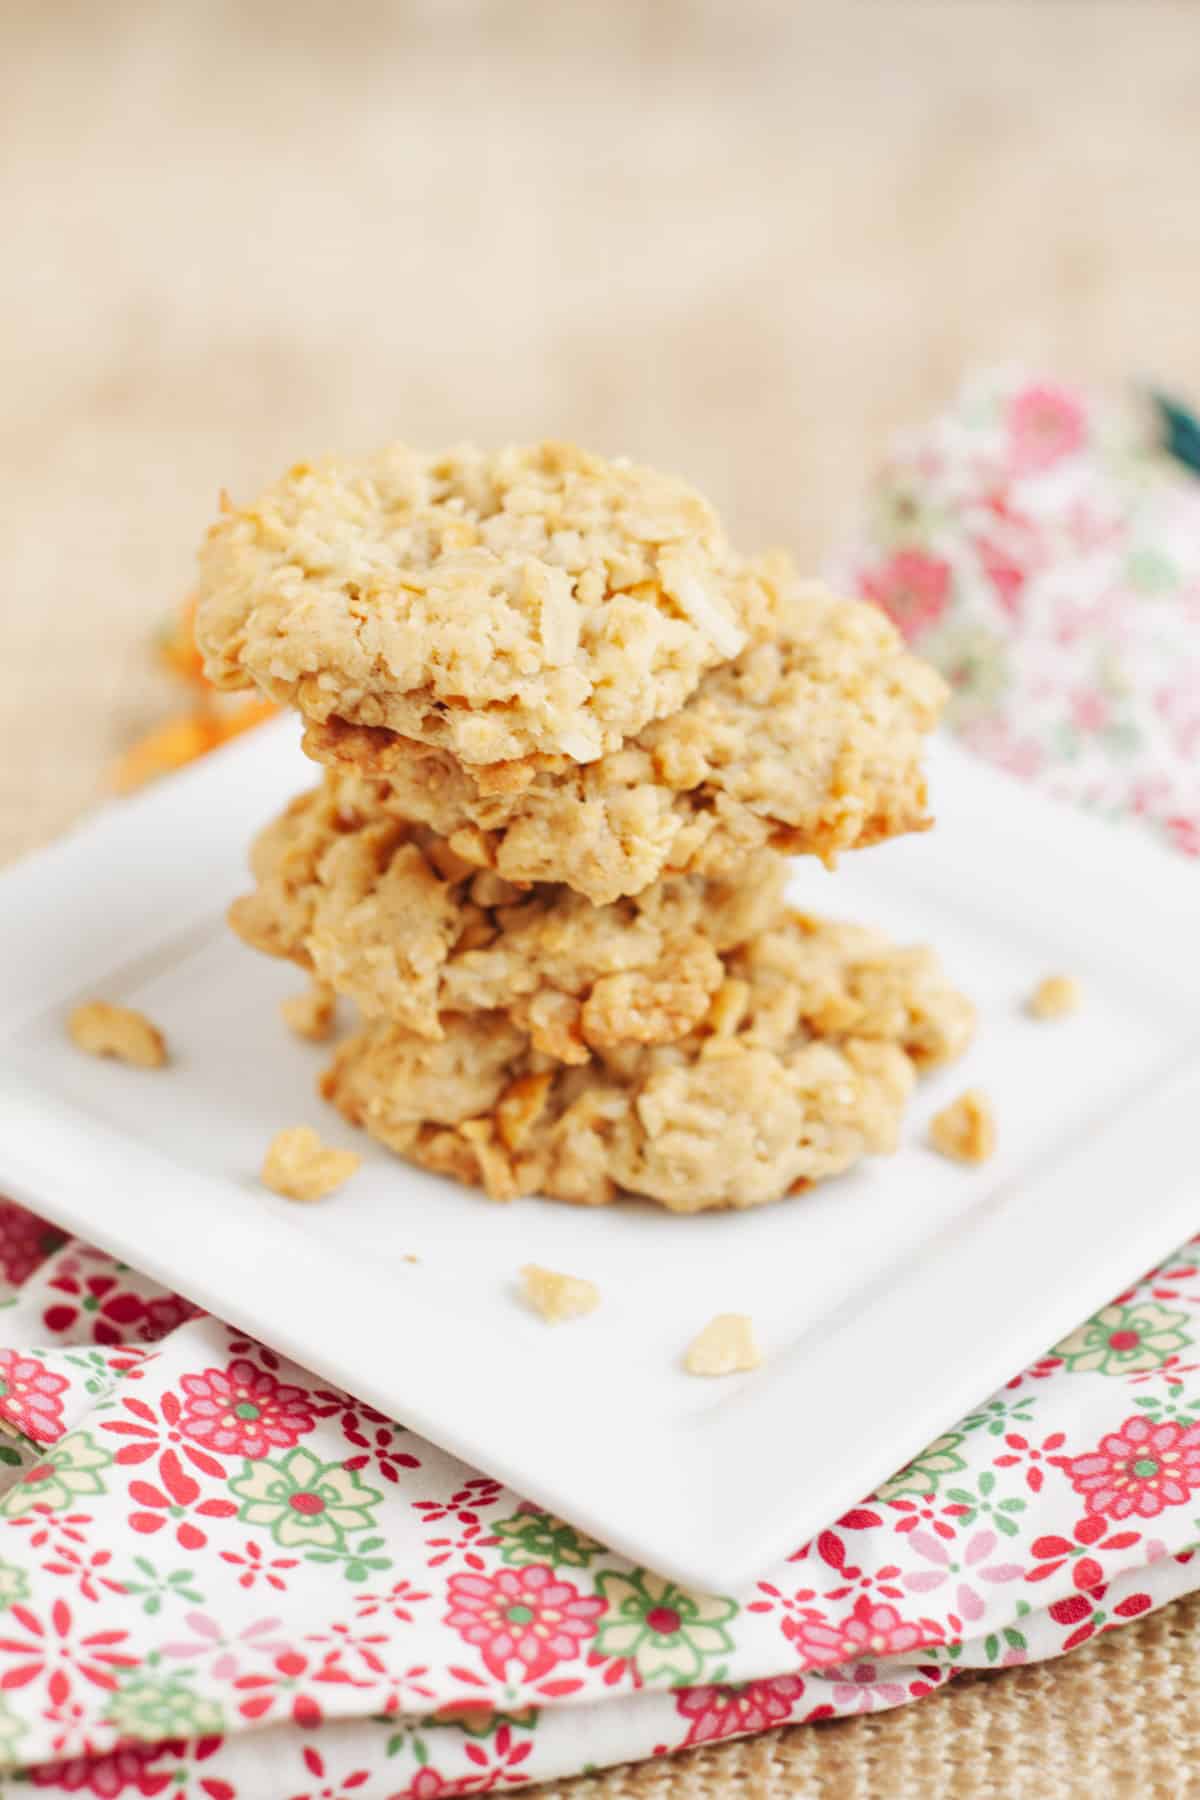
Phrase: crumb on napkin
{"type": "Point", "coordinates": [106, 1030]}
{"type": "Point", "coordinates": [558, 1297]}
{"type": "Point", "coordinates": [311, 1014]}
{"type": "Point", "coordinates": [300, 1167]}
{"type": "Point", "coordinates": [965, 1130]}
{"type": "Point", "coordinates": [1054, 997]}
{"type": "Point", "coordinates": [726, 1346]}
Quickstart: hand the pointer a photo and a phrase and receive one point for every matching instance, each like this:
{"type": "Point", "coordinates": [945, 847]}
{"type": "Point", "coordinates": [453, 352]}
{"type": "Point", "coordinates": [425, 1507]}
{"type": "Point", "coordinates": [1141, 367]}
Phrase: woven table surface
{"type": "Point", "coordinates": [746, 242]}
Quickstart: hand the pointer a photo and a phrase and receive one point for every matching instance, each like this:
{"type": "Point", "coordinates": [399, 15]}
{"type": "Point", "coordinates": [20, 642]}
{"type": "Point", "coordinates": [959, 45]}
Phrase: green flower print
{"type": "Point", "coordinates": [666, 1633]}
{"type": "Point", "coordinates": [538, 1537]}
{"type": "Point", "coordinates": [62, 1475]}
{"type": "Point", "coordinates": [1124, 1340]}
{"type": "Point", "coordinates": [303, 1502]}
{"type": "Point", "coordinates": [924, 1472]}
{"type": "Point", "coordinates": [152, 1588]}
{"type": "Point", "coordinates": [153, 1707]}
{"type": "Point", "coordinates": [14, 1585]}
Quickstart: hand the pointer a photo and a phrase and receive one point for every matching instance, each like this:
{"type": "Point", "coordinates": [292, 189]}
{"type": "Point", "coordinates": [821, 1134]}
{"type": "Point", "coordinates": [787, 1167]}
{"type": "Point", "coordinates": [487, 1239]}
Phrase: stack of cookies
{"type": "Point", "coordinates": [569, 738]}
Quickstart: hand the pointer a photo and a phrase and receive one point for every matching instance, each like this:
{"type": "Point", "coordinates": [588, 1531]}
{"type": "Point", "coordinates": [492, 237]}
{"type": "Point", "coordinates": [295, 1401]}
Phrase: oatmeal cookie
{"type": "Point", "coordinates": [810, 740]}
{"type": "Point", "coordinates": [386, 913]}
{"type": "Point", "coordinates": [755, 1102]}
{"type": "Point", "coordinates": [536, 600]}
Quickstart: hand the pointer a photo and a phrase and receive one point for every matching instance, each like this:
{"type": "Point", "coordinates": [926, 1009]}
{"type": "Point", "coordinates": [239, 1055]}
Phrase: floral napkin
{"type": "Point", "coordinates": [219, 1577]}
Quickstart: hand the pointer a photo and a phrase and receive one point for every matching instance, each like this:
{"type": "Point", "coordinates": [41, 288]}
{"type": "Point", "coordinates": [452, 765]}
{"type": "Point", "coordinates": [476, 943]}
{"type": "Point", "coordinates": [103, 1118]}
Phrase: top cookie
{"type": "Point", "coordinates": [534, 600]}
{"type": "Point", "coordinates": [811, 740]}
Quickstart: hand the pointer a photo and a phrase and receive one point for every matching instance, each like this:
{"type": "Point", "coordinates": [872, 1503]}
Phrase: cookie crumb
{"type": "Point", "coordinates": [312, 1014]}
{"type": "Point", "coordinates": [965, 1130]}
{"type": "Point", "coordinates": [300, 1167]}
{"type": "Point", "coordinates": [725, 1347]}
{"type": "Point", "coordinates": [558, 1297]}
{"type": "Point", "coordinates": [1054, 997]}
{"type": "Point", "coordinates": [105, 1030]}
{"type": "Point", "coordinates": [410, 1258]}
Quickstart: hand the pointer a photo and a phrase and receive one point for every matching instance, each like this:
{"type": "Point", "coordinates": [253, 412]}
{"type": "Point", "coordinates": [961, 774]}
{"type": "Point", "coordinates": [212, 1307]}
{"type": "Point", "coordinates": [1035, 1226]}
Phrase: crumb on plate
{"type": "Point", "coordinates": [311, 1014]}
{"type": "Point", "coordinates": [965, 1130]}
{"type": "Point", "coordinates": [725, 1347]}
{"type": "Point", "coordinates": [1054, 997]}
{"type": "Point", "coordinates": [556, 1296]}
{"type": "Point", "coordinates": [300, 1167]}
{"type": "Point", "coordinates": [106, 1030]}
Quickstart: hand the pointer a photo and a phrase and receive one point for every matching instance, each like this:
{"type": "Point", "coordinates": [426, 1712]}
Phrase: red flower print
{"type": "Point", "coordinates": [148, 1433]}
{"type": "Point", "coordinates": [1085, 1613]}
{"type": "Point", "coordinates": [524, 1615]}
{"type": "Point", "coordinates": [1045, 423]}
{"type": "Point", "coordinates": [1035, 1457]}
{"type": "Point", "coordinates": [1052, 1552]}
{"type": "Point", "coordinates": [928, 1513]}
{"type": "Point", "coordinates": [25, 1242]}
{"type": "Point", "coordinates": [29, 1396]}
{"type": "Point", "coordinates": [382, 1447]}
{"type": "Point", "coordinates": [398, 1601]}
{"type": "Point", "coordinates": [332, 1788]}
{"type": "Point", "coordinates": [288, 1680]}
{"type": "Point", "coordinates": [481, 1491]}
{"type": "Point", "coordinates": [106, 1776]}
{"type": "Point", "coordinates": [87, 1571]}
{"type": "Point", "coordinates": [473, 1538]}
{"type": "Point", "coordinates": [508, 1754]}
{"type": "Point", "coordinates": [346, 1646]}
{"type": "Point", "coordinates": [1139, 1470]}
{"type": "Point", "coordinates": [720, 1712]}
{"type": "Point", "coordinates": [255, 1568]}
{"type": "Point", "coordinates": [1006, 573]}
{"type": "Point", "coordinates": [176, 1502]}
{"type": "Point", "coordinates": [244, 1411]}
{"type": "Point", "coordinates": [873, 1629]}
{"type": "Point", "coordinates": [51, 1652]}
{"type": "Point", "coordinates": [913, 589]}
{"type": "Point", "coordinates": [114, 1314]}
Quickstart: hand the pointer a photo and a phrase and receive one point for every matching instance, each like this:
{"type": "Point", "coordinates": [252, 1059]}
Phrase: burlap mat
{"type": "Point", "coordinates": [744, 240]}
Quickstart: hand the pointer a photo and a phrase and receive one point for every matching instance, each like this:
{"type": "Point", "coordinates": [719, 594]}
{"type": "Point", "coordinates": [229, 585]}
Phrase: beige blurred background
{"type": "Point", "coordinates": [744, 239]}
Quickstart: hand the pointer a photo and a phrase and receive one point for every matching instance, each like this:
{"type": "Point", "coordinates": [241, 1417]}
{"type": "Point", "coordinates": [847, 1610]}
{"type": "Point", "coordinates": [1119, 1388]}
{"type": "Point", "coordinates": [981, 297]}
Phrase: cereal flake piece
{"type": "Point", "coordinates": [558, 1297]}
{"type": "Point", "coordinates": [106, 1030]}
{"type": "Point", "coordinates": [313, 1014]}
{"type": "Point", "coordinates": [726, 1346]}
{"type": "Point", "coordinates": [965, 1130]}
{"type": "Point", "coordinates": [300, 1167]}
{"type": "Point", "coordinates": [1054, 997]}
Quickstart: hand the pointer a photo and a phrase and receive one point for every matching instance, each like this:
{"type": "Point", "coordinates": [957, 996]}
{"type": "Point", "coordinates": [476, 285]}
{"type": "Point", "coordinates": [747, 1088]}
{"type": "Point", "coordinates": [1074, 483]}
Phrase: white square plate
{"type": "Point", "coordinates": [888, 1302]}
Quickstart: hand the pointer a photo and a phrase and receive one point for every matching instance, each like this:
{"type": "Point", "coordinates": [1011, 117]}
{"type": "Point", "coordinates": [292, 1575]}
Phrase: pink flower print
{"type": "Point", "coordinates": [1090, 710]}
{"type": "Point", "coordinates": [244, 1411]}
{"type": "Point", "coordinates": [524, 1615]}
{"type": "Point", "coordinates": [913, 589]}
{"type": "Point", "coordinates": [1139, 1470]}
{"type": "Point", "coordinates": [873, 1629]}
{"type": "Point", "coordinates": [722, 1711]}
{"type": "Point", "coordinates": [25, 1242]}
{"type": "Point", "coordinates": [1183, 832]}
{"type": "Point", "coordinates": [962, 1566]}
{"type": "Point", "coordinates": [209, 1641]}
{"type": "Point", "coordinates": [1045, 424]}
{"type": "Point", "coordinates": [861, 1690]}
{"type": "Point", "coordinates": [29, 1396]}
